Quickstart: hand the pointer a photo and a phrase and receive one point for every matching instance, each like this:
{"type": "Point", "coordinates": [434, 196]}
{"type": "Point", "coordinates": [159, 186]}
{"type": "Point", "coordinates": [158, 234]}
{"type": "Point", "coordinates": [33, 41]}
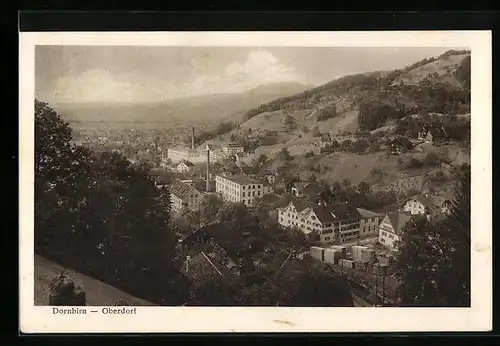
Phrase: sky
{"type": "Point", "coordinates": [80, 74]}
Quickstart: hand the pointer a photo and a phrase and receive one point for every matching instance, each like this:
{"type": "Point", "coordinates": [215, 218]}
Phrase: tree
{"type": "Point", "coordinates": [210, 206]}
{"type": "Point", "coordinates": [315, 131]}
{"type": "Point", "coordinates": [101, 215]}
{"type": "Point", "coordinates": [434, 261]}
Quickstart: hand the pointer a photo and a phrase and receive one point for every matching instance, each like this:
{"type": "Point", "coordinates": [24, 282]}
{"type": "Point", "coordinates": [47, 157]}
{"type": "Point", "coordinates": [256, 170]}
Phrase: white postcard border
{"type": "Point", "coordinates": [273, 319]}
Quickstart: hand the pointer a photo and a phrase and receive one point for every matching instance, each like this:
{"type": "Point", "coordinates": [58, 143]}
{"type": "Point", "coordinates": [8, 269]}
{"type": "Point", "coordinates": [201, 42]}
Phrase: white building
{"type": "Point", "coordinates": [183, 195]}
{"type": "Point", "coordinates": [238, 189]}
{"type": "Point", "coordinates": [334, 224]}
{"type": "Point", "coordinates": [426, 204]}
{"type": "Point", "coordinates": [185, 154]}
{"type": "Point", "coordinates": [232, 149]}
{"type": "Point", "coordinates": [390, 229]}
{"type": "Point", "coordinates": [369, 222]}
{"type": "Point", "coordinates": [184, 167]}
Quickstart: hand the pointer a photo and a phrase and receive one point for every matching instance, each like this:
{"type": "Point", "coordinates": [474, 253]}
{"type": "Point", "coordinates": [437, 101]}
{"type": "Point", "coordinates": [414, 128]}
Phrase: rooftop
{"type": "Point", "coordinates": [398, 220]}
{"type": "Point", "coordinates": [366, 213]}
{"type": "Point", "coordinates": [241, 179]}
{"type": "Point", "coordinates": [181, 190]}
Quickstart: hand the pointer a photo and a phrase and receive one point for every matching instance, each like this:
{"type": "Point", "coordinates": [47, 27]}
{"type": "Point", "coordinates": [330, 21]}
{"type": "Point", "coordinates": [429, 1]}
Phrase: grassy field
{"type": "Point", "coordinates": [98, 293]}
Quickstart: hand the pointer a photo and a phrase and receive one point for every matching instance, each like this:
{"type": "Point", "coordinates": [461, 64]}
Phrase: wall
{"type": "Point", "coordinates": [369, 226]}
{"type": "Point", "coordinates": [386, 235]}
{"type": "Point", "coordinates": [414, 207]}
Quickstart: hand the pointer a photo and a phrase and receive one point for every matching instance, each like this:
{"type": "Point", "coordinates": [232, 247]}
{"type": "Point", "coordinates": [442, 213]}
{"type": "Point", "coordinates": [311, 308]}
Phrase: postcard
{"type": "Point", "coordinates": [255, 181]}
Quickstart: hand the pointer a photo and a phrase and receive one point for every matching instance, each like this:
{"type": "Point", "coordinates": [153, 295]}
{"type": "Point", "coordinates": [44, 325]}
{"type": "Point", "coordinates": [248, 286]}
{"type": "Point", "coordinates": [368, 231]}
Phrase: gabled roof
{"type": "Point", "coordinates": [300, 185]}
{"type": "Point", "coordinates": [187, 163]}
{"type": "Point", "coordinates": [366, 213]}
{"type": "Point", "coordinates": [398, 220]}
{"type": "Point", "coordinates": [182, 190]}
{"type": "Point", "coordinates": [432, 202]}
{"type": "Point", "coordinates": [300, 204]}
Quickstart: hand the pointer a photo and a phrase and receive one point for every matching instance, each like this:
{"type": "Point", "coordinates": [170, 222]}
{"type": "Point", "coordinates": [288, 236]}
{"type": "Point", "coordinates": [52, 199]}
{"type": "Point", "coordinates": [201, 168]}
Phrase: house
{"type": "Point", "coordinates": [238, 189]}
{"type": "Point", "coordinates": [160, 177]}
{"type": "Point", "coordinates": [425, 135]}
{"type": "Point", "coordinates": [427, 204]}
{"type": "Point", "coordinates": [183, 195]}
{"type": "Point", "coordinates": [390, 228]}
{"type": "Point", "coordinates": [267, 189]}
{"type": "Point", "coordinates": [184, 167]}
{"type": "Point", "coordinates": [338, 223]}
{"type": "Point", "coordinates": [232, 149]}
{"type": "Point", "coordinates": [369, 222]}
{"type": "Point", "coordinates": [305, 189]}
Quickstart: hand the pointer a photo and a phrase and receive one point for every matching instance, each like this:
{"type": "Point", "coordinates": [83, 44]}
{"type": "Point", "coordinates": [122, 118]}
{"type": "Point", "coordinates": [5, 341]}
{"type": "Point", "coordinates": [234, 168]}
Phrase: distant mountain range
{"type": "Point", "coordinates": [209, 108]}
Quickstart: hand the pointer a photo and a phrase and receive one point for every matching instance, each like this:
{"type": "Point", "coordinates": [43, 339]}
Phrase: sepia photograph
{"type": "Point", "coordinates": [283, 176]}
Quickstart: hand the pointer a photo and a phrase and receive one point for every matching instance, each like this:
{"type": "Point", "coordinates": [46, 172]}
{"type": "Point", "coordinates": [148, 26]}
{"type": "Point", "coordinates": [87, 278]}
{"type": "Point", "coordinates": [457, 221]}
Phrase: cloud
{"type": "Point", "coordinates": [100, 85]}
{"type": "Point", "coordinates": [259, 67]}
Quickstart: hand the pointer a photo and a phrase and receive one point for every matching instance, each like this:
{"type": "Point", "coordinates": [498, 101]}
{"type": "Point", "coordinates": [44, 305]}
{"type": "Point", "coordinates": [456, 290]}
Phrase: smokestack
{"type": "Point", "coordinates": [192, 137]}
{"type": "Point", "coordinates": [208, 169]}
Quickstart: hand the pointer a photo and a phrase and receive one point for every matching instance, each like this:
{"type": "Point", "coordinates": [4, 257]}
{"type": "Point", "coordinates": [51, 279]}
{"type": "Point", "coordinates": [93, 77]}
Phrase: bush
{"type": "Point", "coordinates": [309, 154]}
{"type": "Point", "coordinates": [326, 112]}
{"type": "Point", "coordinates": [414, 163]}
{"type": "Point", "coordinates": [432, 159]}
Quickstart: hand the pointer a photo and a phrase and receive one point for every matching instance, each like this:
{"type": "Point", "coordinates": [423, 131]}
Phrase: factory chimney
{"type": "Point", "coordinates": [192, 137]}
{"type": "Point", "coordinates": [208, 170]}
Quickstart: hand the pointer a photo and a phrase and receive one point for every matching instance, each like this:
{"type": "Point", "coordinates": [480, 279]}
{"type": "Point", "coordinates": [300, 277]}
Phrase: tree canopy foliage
{"type": "Point", "coordinates": [433, 264]}
{"type": "Point", "coordinates": [100, 215]}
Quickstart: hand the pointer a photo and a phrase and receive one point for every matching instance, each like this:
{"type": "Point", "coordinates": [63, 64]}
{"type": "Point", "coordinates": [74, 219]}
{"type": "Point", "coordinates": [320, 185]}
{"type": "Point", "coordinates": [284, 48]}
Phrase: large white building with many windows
{"type": "Point", "coordinates": [239, 189]}
{"type": "Point", "coordinates": [338, 223]}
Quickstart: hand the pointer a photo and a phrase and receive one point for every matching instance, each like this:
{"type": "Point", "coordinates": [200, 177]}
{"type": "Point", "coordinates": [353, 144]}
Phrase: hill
{"type": "Point", "coordinates": [369, 108]}
{"type": "Point", "coordinates": [210, 109]}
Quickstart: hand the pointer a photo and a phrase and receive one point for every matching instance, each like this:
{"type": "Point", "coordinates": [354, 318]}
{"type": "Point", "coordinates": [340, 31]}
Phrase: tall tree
{"type": "Point", "coordinates": [434, 261]}
{"type": "Point", "coordinates": [102, 216]}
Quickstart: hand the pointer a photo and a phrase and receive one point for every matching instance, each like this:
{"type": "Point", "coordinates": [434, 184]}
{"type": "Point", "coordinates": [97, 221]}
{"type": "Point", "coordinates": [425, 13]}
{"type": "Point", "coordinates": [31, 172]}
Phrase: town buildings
{"type": "Point", "coordinates": [369, 222]}
{"type": "Point", "coordinates": [390, 228]}
{"type": "Point", "coordinates": [238, 189]}
{"type": "Point", "coordinates": [340, 223]}
{"type": "Point", "coordinates": [305, 189]}
{"type": "Point", "coordinates": [183, 195]}
{"type": "Point", "coordinates": [184, 167]}
{"type": "Point", "coordinates": [427, 204]}
{"type": "Point", "coordinates": [232, 149]}
{"type": "Point", "coordinates": [185, 154]}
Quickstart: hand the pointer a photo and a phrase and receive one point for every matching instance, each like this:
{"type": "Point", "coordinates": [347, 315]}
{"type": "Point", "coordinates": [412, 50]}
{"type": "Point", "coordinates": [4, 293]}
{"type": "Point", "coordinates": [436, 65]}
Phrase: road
{"type": "Point", "coordinates": [97, 292]}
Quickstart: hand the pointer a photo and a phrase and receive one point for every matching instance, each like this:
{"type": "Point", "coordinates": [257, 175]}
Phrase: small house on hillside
{"type": "Point", "coordinates": [427, 204]}
{"type": "Point", "coordinates": [425, 135]}
{"type": "Point", "coordinates": [305, 189]}
{"type": "Point", "coordinates": [184, 167]}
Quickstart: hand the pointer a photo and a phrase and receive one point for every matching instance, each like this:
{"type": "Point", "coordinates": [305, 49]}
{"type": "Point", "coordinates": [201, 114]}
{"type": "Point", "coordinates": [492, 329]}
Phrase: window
{"type": "Point", "coordinates": [243, 194]}
{"type": "Point", "coordinates": [258, 193]}
{"type": "Point", "coordinates": [253, 193]}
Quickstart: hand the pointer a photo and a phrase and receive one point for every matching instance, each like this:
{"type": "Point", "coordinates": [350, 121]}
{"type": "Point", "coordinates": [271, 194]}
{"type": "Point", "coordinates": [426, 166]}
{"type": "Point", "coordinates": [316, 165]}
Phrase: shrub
{"type": "Point", "coordinates": [414, 163]}
{"type": "Point", "coordinates": [309, 154]}
{"type": "Point", "coordinates": [432, 159]}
